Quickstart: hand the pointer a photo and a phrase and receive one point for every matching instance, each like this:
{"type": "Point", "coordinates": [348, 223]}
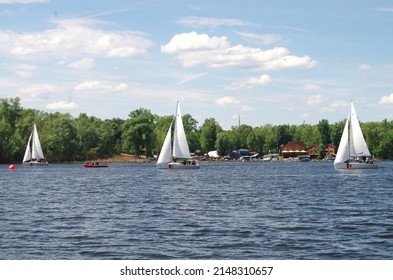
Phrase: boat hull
{"type": "Point", "coordinates": [36, 163]}
{"type": "Point", "coordinates": [95, 165]}
{"type": "Point", "coordinates": [163, 165]}
{"type": "Point", "coordinates": [355, 165]}
{"type": "Point", "coordinates": [177, 165]}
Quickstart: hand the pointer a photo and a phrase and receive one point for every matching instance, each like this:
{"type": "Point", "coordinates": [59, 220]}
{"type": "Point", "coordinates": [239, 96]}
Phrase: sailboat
{"type": "Point", "coordinates": [33, 153]}
{"type": "Point", "coordinates": [178, 155]}
{"type": "Point", "coordinates": [353, 152]}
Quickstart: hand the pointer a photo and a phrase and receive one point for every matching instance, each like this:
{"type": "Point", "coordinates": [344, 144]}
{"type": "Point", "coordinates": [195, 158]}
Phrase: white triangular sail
{"type": "Point", "coordinates": [180, 145]}
{"type": "Point", "coordinates": [166, 151]}
{"type": "Point", "coordinates": [343, 149]}
{"type": "Point", "coordinates": [358, 146]}
{"type": "Point", "coordinates": [33, 153]}
{"type": "Point", "coordinates": [353, 152]}
{"type": "Point", "coordinates": [36, 150]}
{"type": "Point", "coordinates": [27, 156]}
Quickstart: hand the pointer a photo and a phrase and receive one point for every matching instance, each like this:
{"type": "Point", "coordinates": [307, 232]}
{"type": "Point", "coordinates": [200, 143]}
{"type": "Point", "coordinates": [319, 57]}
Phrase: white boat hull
{"type": "Point", "coordinates": [163, 165]}
{"type": "Point", "coordinates": [34, 163]}
{"type": "Point", "coordinates": [355, 165]}
{"type": "Point", "coordinates": [177, 165]}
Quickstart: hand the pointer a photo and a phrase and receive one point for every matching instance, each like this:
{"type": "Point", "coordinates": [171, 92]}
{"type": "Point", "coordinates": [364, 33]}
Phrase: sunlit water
{"type": "Point", "coordinates": [221, 211]}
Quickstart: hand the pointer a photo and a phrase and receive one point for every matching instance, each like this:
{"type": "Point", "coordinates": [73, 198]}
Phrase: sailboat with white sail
{"type": "Point", "coordinates": [176, 156]}
{"type": "Point", "coordinates": [33, 153]}
{"type": "Point", "coordinates": [353, 152]}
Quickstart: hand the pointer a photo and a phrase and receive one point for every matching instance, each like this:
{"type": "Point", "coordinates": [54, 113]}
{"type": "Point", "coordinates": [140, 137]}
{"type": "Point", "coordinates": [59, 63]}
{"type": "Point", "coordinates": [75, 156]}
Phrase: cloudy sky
{"type": "Point", "coordinates": [277, 62]}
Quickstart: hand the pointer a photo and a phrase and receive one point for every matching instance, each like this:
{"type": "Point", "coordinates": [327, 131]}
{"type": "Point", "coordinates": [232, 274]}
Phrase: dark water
{"type": "Point", "coordinates": [222, 211]}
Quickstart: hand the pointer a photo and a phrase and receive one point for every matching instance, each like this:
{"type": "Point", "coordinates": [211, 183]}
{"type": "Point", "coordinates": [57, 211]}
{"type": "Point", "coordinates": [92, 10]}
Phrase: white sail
{"type": "Point", "coordinates": [27, 156]}
{"type": "Point", "coordinates": [166, 151]}
{"type": "Point", "coordinates": [36, 150]}
{"type": "Point", "coordinates": [353, 152]}
{"type": "Point", "coordinates": [358, 146]}
{"type": "Point", "coordinates": [343, 149]}
{"type": "Point", "coordinates": [180, 145]}
{"type": "Point", "coordinates": [33, 154]}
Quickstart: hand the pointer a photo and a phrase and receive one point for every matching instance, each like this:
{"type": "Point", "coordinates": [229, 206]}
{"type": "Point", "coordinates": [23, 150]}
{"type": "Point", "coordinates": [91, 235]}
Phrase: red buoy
{"type": "Point", "coordinates": [11, 167]}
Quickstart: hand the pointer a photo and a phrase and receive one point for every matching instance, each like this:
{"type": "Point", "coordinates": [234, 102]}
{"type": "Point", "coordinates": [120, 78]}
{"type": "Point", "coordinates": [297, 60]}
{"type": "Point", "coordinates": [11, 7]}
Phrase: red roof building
{"type": "Point", "coordinates": [293, 149]}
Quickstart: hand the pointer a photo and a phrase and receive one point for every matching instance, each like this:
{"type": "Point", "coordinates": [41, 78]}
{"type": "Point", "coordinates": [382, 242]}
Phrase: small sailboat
{"type": "Point", "coordinates": [33, 154]}
{"type": "Point", "coordinates": [178, 156]}
{"type": "Point", "coordinates": [353, 152]}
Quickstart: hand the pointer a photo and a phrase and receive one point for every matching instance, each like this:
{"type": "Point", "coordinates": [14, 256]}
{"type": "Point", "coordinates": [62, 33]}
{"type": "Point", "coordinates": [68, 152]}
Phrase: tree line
{"type": "Point", "coordinates": [68, 139]}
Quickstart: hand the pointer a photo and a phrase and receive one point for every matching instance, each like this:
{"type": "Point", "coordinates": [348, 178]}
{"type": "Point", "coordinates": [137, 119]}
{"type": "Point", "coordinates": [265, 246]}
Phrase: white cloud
{"type": "Point", "coordinates": [62, 105]}
{"type": "Point", "coordinates": [333, 106]}
{"type": "Point", "coordinates": [386, 100]}
{"type": "Point", "coordinates": [85, 63]}
{"type": "Point", "coordinates": [100, 86]}
{"type": "Point", "coordinates": [246, 108]}
{"type": "Point", "coordinates": [73, 37]}
{"type": "Point", "coordinates": [311, 86]}
{"type": "Point", "coordinates": [193, 41]}
{"type": "Point", "coordinates": [35, 91]}
{"type": "Point", "coordinates": [193, 49]}
{"type": "Point", "coordinates": [227, 100]}
{"type": "Point", "coordinates": [290, 61]}
{"type": "Point", "coordinates": [315, 100]}
{"type": "Point", "coordinates": [5, 83]}
{"type": "Point", "coordinates": [251, 82]}
{"type": "Point", "coordinates": [198, 22]}
{"type": "Point", "coordinates": [265, 39]}
{"type": "Point", "coordinates": [385, 9]}
{"type": "Point", "coordinates": [364, 67]}
{"type": "Point", "coordinates": [191, 78]}
{"type": "Point", "coordinates": [24, 70]}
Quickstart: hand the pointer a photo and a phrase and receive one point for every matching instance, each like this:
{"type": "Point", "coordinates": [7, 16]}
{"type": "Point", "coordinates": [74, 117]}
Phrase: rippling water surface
{"type": "Point", "coordinates": [221, 211]}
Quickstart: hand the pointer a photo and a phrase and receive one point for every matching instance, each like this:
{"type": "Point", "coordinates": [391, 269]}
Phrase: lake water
{"type": "Point", "coordinates": [221, 211]}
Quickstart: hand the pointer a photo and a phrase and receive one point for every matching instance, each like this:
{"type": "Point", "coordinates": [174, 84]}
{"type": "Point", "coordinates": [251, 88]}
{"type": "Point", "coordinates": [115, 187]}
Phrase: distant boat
{"type": "Point", "coordinates": [33, 154]}
{"type": "Point", "coordinates": [353, 152]}
{"type": "Point", "coordinates": [95, 165]}
{"type": "Point", "coordinates": [179, 156]}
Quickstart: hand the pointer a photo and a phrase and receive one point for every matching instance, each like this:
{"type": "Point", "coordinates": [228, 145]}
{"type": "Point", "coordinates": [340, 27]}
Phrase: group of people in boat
{"type": "Point", "coordinates": [362, 160]}
{"type": "Point", "coordinates": [186, 162]}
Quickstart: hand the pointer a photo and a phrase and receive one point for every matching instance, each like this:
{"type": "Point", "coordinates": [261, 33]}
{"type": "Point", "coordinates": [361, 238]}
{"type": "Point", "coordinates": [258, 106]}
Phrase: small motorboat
{"type": "Point", "coordinates": [94, 165]}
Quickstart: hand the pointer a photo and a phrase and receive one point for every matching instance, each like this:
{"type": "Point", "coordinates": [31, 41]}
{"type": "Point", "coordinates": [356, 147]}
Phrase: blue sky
{"type": "Point", "coordinates": [271, 62]}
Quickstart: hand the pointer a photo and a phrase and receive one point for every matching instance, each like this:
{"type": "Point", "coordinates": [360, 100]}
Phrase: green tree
{"type": "Point", "coordinates": [242, 132]}
{"type": "Point", "coordinates": [385, 147]}
{"type": "Point", "coordinates": [324, 130]}
{"type": "Point", "coordinates": [114, 129]}
{"type": "Point", "coordinates": [256, 140]}
{"type": "Point", "coordinates": [209, 131]}
{"type": "Point", "coordinates": [10, 140]}
{"type": "Point", "coordinates": [138, 132]}
{"type": "Point", "coordinates": [282, 135]}
{"type": "Point", "coordinates": [225, 142]}
{"type": "Point", "coordinates": [88, 136]}
{"type": "Point", "coordinates": [10, 110]}
{"type": "Point", "coordinates": [59, 139]}
{"type": "Point", "coordinates": [336, 131]}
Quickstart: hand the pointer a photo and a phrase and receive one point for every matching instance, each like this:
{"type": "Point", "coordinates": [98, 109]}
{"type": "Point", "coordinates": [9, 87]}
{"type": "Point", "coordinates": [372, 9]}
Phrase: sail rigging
{"type": "Point", "coordinates": [179, 150]}
{"type": "Point", "coordinates": [34, 153]}
{"type": "Point", "coordinates": [353, 151]}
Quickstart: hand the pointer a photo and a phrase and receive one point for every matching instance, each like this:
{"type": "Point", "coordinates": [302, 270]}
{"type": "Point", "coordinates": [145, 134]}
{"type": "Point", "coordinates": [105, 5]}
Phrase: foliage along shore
{"type": "Point", "coordinates": [124, 158]}
{"type": "Point", "coordinates": [68, 139]}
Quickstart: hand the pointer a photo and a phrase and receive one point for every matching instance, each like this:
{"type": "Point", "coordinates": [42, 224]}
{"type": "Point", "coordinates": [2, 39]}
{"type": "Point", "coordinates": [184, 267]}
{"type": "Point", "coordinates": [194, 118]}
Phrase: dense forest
{"type": "Point", "coordinates": [67, 139]}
